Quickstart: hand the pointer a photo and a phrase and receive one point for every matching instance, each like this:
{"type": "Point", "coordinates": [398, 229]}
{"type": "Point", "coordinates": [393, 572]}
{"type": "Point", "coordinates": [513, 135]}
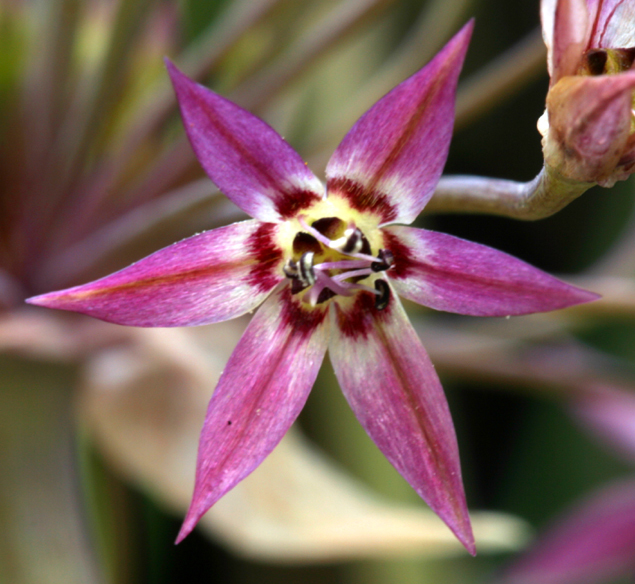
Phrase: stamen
{"type": "Point", "coordinates": [386, 259]}
{"type": "Point", "coordinates": [381, 300]}
{"type": "Point", "coordinates": [596, 61]}
{"type": "Point", "coordinates": [290, 269]}
{"type": "Point", "coordinates": [342, 265]}
{"type": "Point", "coordinates": [304, 242]}
{"type": "Point", "coordinates": [314, 232]}
{"type": "Point", "coordinates": [323, 282]}
{"type": "Point", "coordinates": [337, 244]}
{"type": "Point", "coordinates": [340, 277]}
{"type": "Point", "coordinates": [354, 241]}
{"type": "Point", "coordinates": [306, 273]}
{"type": "Point", "coordinates": [352, 274]}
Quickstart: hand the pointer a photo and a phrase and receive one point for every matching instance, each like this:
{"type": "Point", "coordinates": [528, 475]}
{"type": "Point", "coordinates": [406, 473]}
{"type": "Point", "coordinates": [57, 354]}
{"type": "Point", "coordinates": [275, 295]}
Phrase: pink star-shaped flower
{"type": "Point", "coordinates": [327, 267]}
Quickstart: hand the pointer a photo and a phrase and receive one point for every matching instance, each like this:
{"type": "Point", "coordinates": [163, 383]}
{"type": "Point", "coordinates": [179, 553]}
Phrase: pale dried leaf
{"type": "Point", "coordinates": [145, 406]}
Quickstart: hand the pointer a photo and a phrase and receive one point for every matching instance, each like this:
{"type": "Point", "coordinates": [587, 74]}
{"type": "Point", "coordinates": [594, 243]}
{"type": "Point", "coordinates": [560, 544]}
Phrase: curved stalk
{"type": "Point", "coordinates": [541, 197]}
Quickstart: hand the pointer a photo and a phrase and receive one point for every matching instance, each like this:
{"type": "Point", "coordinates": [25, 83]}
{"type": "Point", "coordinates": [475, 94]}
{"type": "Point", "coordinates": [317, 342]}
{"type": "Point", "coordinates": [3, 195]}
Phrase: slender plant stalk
{"type": "Point", "coordinates": [257, 92]}
{"type": "Point", "coordinates": [541, 197]}
{"type": "Point", "coordinates": [44, 539]}
{"type": "Point", "coordinates": [178, 160]}
{"type": "Point", "coordinates": [83, 127]}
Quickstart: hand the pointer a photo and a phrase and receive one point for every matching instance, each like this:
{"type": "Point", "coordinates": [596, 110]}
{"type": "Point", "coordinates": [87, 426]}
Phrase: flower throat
{"type": "Point", "coordinates": [331, 258]}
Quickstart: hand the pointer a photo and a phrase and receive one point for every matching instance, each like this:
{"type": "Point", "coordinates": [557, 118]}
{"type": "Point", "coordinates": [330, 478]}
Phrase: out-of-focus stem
{"type": "Point", "coordinates": [619, 261]}
{"type": "Point", "coordinates": [435, 24]}
{"type": "Point", "coordinates": [561, 368]}
{"type": "Point", "coordinates": [192, 208]}
{"type": "Point", "coordinates": [257, 92]}
{"type": "Point", "coordinates": [539, 198]}
{"type": "Point", "coordinates": [44, 98]}
{"type": "Point", "coordinates": [44, 537]}
{"type": "Point", "coordinates": [197, 61]}
{"type": "Point", "coordinates": [107, 85]}
{"type": "Point", "coordinates": [501, 78]}
{"type": "Point", "coordinates": [48, 79]}
{"type": "Point", "coordinates": [175, 163]}
{"type": "Point", "coordinates": [82, 130]}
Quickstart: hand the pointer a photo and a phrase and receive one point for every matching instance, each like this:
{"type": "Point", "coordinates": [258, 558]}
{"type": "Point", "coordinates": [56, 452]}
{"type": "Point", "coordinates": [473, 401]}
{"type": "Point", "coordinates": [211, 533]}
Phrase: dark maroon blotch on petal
{"type": "Point", "coordinates": [293, 201]}
{"type": "Point", "coordinates": [363, 199]}
{"type": "Point", "coordinates": [266, 254]}
{"type": "Point", "coordinates": [358, 320]}
{"type": "Point", "coordinates": [303, 320]}
{"type": "Point", "coordinates": [402, 256]}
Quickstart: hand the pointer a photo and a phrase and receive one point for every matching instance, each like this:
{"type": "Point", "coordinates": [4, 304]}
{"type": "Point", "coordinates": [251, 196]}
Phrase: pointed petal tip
{"type": "Point", "coordinates": [49, 300]}
{"type": "Point", "coordinates": [173, 70]}
{"type": "Point", "coordinates": [188, 526]}
{"type": "Point", "coordinates": [580, 296]}
{"type": "Point", "coordinates": [198, 507]}
{"type": "Point", "coordinates": [457, 518]}
{"type": "Point", "coordinates": [466, 31]}
{"type": "Point", "coordinates": [463, 37]}
{"type": "Point", "coordinates": [466, 537]}
{"type": "Point", "coordinates": [589, 296]}
{"type": "Point", "coordinates": [35, 300]}
{"type": "Point", "coordinates": [177, 77]}
{"type": "Point", "coordinates": [393, 172]}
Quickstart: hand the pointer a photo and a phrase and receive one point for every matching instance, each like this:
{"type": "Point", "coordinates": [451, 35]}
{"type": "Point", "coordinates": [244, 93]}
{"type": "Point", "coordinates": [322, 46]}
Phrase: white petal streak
{"type": "Point", "coordinates": [258, 397]}
{"type": "Point", "coordinates": [392, 387]}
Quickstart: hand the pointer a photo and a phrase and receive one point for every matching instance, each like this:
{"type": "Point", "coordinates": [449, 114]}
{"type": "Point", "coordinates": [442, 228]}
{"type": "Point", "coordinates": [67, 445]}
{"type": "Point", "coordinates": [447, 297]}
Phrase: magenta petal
{"type": "Point", "coordinates": [570, 30]}
{"type": "Point", "coordinates": [391, 385]}
{"type": "Point", "coordinates": [609, 413]}
{"type": "Point", "coordinates": [593, 543]}
{"type": "Point", "coordinates": [244, 156]}
{"type": "Point", "coordinates": [392, 158]}
{"type": "Point", "coordinates": [448, 273]}
{"type": "Point", "coordinates": [260, 393]}
{"type": "Point", "coordinates": [612, 24]}
{"type": "Point", "coordinates": [214, 276]}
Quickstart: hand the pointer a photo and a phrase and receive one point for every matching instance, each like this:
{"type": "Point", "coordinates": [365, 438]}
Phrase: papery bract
{"type": "Point", "coordinates": [588, 125]}
{"type": "Point", "coordinates": [330, 266]}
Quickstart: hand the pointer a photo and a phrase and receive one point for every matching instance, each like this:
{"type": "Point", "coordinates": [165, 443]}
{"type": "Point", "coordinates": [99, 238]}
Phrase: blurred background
{"type": "Point", "coordinates": [99, 423]}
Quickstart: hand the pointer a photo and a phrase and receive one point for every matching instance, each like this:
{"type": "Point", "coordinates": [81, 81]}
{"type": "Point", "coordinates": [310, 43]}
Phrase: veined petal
{"type": "Point", "coordinates": [259, 395]}
{"type": "Point", "coordinates": [244, 156]}
{"type": "Point", "coordinates": [565, 30]}
{"type": "Point", "coordinates": [592, 543]}
{"type": "Point", "coordinates": [391, 385]}
{"type": "Point", "coordinates": [448, 273]}
{"type": "Point", "coordinates": [210, 277]}
{"type": "Point", "coordinates": [612, 24]}
{"type": "Point", "coordinates": [390, 161]}
{"type": "Point", "coordinates": [589, 125]}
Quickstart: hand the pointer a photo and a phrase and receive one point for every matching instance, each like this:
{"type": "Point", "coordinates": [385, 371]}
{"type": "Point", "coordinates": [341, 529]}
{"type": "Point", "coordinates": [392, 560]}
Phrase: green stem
{"type": "Point", "coordinates": [541, 197]}
{"type": "Point", "coordinates": [44, 537]}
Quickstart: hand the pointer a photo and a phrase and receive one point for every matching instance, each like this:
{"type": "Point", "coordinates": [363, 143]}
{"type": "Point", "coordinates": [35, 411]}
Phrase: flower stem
{"type": "Point", "coordinates": [541, 197]}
